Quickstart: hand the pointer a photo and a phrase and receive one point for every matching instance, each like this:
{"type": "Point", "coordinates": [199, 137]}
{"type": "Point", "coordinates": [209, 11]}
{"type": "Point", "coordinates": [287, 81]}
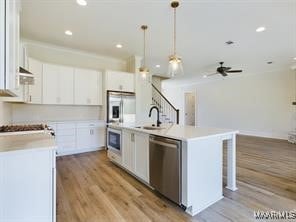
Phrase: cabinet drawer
{"type": "Point", "coordinates": [114, 157]}
{"type": "Point", "coordinates": [65, 132]}
{"type": "Point", "coordinates": [61, 126]}
{"type": "Point", "coordinates": [90, 124]}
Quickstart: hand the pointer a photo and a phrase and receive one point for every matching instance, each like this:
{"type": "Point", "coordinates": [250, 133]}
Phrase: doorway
{"type": "Point", "coordinates": [189, 111]}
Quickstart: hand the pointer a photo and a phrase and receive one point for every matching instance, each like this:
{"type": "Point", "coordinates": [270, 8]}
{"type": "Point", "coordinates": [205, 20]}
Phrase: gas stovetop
{"type": "Point", "coordinates": [25, 129]}
{"type": "Point", "coordinates": [19, 128]}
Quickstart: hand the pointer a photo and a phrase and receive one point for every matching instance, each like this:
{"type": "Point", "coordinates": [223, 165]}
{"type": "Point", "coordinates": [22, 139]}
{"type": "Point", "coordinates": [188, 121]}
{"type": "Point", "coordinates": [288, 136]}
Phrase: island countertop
{"type": "Point", "coordinates": [26, 142]}
{"type": "Point", "coordinates": [179, 132]}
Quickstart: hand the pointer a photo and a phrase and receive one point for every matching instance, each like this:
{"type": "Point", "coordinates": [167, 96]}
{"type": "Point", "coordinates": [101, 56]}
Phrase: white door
{"type": "Point", "coordinates": [35, 90]}
{"type": "Point", "coordinates": [190, 109]}
{"type": "Point", "coordinates": [120, 81]}
{"type": "Point", "coordinates": [66, 85]}
{"type": "Point", "coordinates": [12, 45]}
{"type": "Point", "coordinates": [142, 156]}
{"type": "Point", "coordinates": [128, 150]}
{"type": "Point", "coordinates": [97, 137]}
{"type": "Point", "coordinates": [100, 88]}
{"type": "Point", "coordinates": [50, 84]}
{"type": "Point", "coordinates": [83, 138]}
{"type": "Point", "coordinates": [86, 87]}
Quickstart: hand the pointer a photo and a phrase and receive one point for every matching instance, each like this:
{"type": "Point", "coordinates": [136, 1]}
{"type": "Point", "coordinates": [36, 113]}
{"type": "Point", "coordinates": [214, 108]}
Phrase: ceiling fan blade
{"type": "Point", "coordinates": [227, 68]}
{"type": "Point", "coordinates": [234, 71]}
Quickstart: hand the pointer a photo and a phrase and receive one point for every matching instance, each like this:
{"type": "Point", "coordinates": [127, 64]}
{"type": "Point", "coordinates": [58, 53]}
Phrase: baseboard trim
{"type": "Point", "coordinates": [264, 135]}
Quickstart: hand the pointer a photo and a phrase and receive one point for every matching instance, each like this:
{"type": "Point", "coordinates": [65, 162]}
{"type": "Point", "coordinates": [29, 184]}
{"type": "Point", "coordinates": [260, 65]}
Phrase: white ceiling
{"type": "Point", "coordinates": [203, 27]}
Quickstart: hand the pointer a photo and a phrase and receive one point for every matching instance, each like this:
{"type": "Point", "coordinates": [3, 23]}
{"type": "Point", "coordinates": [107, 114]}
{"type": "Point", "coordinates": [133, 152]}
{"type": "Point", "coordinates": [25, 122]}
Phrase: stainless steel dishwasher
{"type": "Point", "coordinates": [165, 167]}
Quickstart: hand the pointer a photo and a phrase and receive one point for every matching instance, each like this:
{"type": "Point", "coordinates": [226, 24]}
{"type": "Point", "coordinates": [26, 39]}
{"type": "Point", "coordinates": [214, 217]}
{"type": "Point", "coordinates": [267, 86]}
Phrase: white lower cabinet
{"type": "Point", "coordinates": [79, 137]}
{"type": "Point", "coordinates": [142, 156]}
{"type": "Point", "coordinates": [128, 150]}
{"type": "Point", "coordinates": [27, 185]}
{"type": "Point", "coordinates": [135, 153]}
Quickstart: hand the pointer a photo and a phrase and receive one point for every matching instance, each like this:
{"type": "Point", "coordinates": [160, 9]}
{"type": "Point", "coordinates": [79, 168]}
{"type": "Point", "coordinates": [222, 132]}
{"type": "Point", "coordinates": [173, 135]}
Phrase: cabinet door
{"type": "Point", "coordinates": [86, 87]}
{"type": "Point", "coordinates": [35, 91]}
{"type": "Point", "coordinates": [128, 82]}
{"type": "Point", "coordinates": [92, 98]}
{"type": "Point", "coordinates": [120, 81]}
{"type": "Point", "coordinates": [66, 85]}
{"type": "Point", "coordinates": [142, 156]}
{"type": "Point", "coordinates": [128, 150]}
{"type": "Point", "coordinates": [97, 137]}
{"type": "Point", "coordinates": [50, 84]}
{"type": "Point", "coordinates": [100, 88]}
{"type": "Point", "coordinates": [12, 44]}
{"type": "Point", "coordinates": [83, 138]}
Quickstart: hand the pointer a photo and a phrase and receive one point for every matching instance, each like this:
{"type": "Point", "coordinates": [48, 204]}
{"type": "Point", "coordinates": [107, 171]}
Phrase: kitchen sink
{"type": "Point", "coordinates": [149, 127]}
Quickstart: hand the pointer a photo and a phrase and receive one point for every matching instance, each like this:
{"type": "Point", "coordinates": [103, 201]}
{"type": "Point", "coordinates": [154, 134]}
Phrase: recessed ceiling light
{"type": "Point", "coordinates": [260, 29]}
{"type": "Point", "coordinates": [205, 76]}
{"type": "Point", "coordinates": [68, 32]}
{"type": "Point", "coordinates": [157, 66]}
{"type": "Point", "coordinates": [294, 58]}
{"type": "Point", "coordinates": [119, 46]}
{"type": "Point", "coordinates": [81, 2]}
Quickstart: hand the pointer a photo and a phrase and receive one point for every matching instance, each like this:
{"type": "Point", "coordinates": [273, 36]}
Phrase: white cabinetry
{"type": "Point", "coordinates": [65, 137]}
{"type": "Point", "coordinates": [9, 47]}
{"type": "Point", "coordinates": [58, 84]}
{"type": "Point", "coordinates": [128, 150]}
{"type": "Point", "coordinates": [79, 137]}
{"type": "Point", "coordinates": [88, 87]}
{"type": "Point", "coordinates": [27, 185]}
{"type": "Point", "coordinates": [135, 153]}
{"type": "Point", "coordinates": [142, 156]}
{"type": "Point", "coordinates": [35, 91]}
{"type": "Point", "coordinates": [119, 81]}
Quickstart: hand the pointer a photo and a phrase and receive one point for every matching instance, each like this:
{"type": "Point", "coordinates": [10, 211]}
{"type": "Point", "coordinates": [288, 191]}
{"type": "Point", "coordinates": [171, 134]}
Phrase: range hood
{"type": "Point", "coordinates": [26, 77]}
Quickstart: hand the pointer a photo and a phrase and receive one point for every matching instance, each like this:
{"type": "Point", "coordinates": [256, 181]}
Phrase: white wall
{"type": "Point", "coordinates": [71, 57]}
{"type": "Point", "coordinates": [5, 113]}
{"type": "Point", "coordinates": [258, 104]}
{"type": "Point", "coordinates": [22, 113]}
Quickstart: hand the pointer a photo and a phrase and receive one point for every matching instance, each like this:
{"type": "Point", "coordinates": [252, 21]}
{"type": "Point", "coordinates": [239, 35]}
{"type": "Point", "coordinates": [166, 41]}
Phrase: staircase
{"type": "Point", "coordinates": [168, 113]}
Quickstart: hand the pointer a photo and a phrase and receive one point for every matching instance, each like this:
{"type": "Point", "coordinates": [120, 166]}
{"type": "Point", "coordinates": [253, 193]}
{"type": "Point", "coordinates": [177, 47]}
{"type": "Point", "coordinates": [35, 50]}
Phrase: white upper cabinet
{"type": "Point", "coordinates": [58, 84]}
{"type": "Point", "coordinates": [88, 87]}
{"type": "Point", "coordinates": [35, 91]}
{"type": "Point", "coordinates": [119, 81]}
{"type": "Point", "coordinates": [9, 46]}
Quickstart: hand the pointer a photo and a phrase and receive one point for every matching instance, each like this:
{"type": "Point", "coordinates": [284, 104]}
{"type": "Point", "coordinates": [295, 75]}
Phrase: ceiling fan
{"type": "Point", "coordinates": [224, 71]}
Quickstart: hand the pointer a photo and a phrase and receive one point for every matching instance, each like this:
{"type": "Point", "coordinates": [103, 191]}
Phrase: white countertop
{"type": "Point", "coordinates": [26, 142]}
{"type": "Point", "coordinates": [178, 132]}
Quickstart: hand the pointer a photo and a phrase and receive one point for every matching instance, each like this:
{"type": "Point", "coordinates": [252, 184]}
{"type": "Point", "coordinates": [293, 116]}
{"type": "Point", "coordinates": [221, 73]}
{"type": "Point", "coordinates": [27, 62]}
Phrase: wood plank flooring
{"type": "Point", "coordinates": [92, 189]}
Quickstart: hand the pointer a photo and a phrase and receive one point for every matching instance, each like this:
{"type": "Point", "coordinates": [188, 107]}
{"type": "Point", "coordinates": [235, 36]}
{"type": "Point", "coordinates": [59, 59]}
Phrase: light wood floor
{"type": "Point", "coordinates": [91, 189]}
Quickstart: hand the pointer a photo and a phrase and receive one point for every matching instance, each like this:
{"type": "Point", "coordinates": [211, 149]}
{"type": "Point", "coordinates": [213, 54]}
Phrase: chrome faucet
{"type": "Point", "coordinates": [155, 107]}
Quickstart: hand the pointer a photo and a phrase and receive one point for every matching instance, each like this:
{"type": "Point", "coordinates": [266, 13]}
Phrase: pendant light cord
{"type": "Point", "coordinates": [175, 31]}
{"type": "Point", "coordinates": [144, 47]}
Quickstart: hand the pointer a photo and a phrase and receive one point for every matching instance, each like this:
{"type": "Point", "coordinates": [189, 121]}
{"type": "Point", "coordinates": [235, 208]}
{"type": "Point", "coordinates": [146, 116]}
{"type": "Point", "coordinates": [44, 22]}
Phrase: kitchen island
{"type": "Point", "coordinates": [27, 177]}
{"type": "Point", "coordinates": [201, 160]}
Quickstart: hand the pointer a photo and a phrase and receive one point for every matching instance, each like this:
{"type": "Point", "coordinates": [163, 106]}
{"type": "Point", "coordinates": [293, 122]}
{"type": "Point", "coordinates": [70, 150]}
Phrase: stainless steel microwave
{"type": "Point", "coordinates": [114, 140]}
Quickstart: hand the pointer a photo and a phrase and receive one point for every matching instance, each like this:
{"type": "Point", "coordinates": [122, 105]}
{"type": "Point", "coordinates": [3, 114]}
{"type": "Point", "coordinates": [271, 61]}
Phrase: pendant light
{"type": "Point", "coordinates": [143, 69]}
{"type": "Point", "coordinates": [175, 62]}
